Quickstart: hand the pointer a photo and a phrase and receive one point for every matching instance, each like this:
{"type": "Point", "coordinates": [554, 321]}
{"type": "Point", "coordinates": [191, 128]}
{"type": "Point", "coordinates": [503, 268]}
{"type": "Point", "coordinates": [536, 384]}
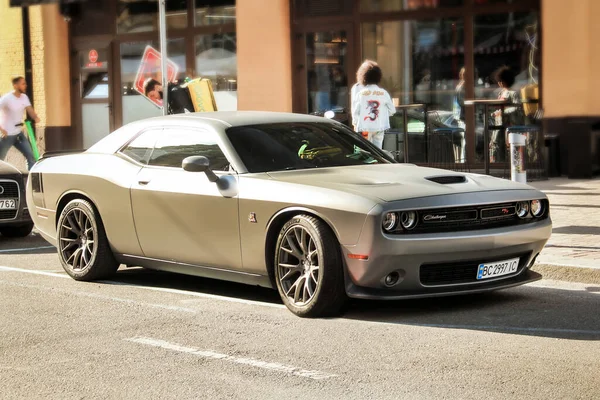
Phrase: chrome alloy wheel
{"type": "Point", "coordinates": [77, 240]}
{"type": "Point", "coordinates": [298, 266]}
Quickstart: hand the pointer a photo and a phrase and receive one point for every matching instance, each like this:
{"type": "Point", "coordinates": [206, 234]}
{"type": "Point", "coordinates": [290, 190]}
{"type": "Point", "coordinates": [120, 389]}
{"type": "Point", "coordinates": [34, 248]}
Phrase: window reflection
{"type": "Point", "coordinates": [399, 5]}
{"type": "Point", "coordinates": [421, 63]}
{"type": "Point", "coordinates": [326, 60]}
{"type": "Point", "coordinates": [216, 59]}
{"type": "Point", "coordinates": [142, 15]}
{"type": "Point", "coordinates": [136, 106]}
{"type": "Point", "coordinates": [506, 43]}
{"type": "Point", "coordinates": [214, 12]}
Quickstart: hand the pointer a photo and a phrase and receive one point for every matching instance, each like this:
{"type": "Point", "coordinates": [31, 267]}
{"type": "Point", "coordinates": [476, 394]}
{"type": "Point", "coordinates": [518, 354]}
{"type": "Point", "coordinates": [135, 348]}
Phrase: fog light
{"type": "Point", "coordinates": [408, 219]}
{"type": "Point", "coordinates": [522, 209]}
{"type": "Point", "coordinates": [537, 208]}
{"type": "Point", "coordinates": [390, 220]}
{"type": "Point", "coordinates": [392, 279]}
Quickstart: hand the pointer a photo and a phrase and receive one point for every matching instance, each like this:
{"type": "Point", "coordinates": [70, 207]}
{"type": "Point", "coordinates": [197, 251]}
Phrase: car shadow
{"type": "Point", "coordinates": [31, 244]}
{"type": "Point", "coordinates": [525, 310]}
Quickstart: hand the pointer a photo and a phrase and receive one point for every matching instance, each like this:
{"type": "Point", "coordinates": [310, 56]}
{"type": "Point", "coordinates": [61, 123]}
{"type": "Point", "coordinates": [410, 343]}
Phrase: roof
{"type": "Point", "coordinates": [239, 118]}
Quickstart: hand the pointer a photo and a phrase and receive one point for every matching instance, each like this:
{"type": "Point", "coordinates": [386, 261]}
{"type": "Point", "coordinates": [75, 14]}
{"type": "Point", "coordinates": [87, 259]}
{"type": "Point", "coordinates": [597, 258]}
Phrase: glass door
{"type": "Point", "coordinates": [94, 93]}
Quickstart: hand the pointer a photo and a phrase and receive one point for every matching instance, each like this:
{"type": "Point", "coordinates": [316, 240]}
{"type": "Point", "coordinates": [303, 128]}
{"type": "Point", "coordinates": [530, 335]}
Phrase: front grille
{"type": "Point", "coordinates": [9, 190]}
{"type": "Point", "coordinates": [462, 272]}
{"type": "Point", "coordinates": [456, 219]}
{"type": "Point", "coordinates": [8, 214]}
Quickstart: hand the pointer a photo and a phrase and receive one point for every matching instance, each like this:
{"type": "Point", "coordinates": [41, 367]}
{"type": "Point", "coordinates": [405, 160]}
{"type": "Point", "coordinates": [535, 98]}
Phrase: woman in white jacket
{"type": "Point", "coordinates": [372, 106]}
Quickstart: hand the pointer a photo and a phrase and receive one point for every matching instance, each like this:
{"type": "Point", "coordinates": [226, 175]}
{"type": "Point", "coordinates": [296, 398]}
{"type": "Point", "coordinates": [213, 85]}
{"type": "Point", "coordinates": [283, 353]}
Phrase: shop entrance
{"type": "Point", "coordinates": [93, 111]}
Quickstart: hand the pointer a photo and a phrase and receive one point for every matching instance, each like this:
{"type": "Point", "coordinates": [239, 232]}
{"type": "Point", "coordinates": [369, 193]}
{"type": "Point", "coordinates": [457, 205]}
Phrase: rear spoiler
{"type": "Point", "coordinates": [49, 154]}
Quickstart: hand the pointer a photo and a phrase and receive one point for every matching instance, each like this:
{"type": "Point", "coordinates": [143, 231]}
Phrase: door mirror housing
{"type": "Point", "coordinates": [199, 164]}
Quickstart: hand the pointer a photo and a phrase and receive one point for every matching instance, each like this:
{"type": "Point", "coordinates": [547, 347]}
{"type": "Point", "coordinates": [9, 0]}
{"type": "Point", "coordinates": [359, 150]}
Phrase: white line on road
{"type": "Point", "coordinates": [34, 272]}
{"type": "Point", "coordinates": [26, 249]}
{"type": "Point", "coordinates": [238, 360]}
{"type": "Point", "coordinates": [99, 296]}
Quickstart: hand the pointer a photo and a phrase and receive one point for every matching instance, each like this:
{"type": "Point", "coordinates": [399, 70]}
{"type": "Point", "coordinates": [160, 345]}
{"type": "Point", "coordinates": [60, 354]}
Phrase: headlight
{"type": "Point", "coordinates": [522, 209]}
{"type": "Point", "coordinates": [408, 219]}
{"type": "Point", "coordinates": [537, 208]}
{"type": "Point", "coordinates": [390, 221]}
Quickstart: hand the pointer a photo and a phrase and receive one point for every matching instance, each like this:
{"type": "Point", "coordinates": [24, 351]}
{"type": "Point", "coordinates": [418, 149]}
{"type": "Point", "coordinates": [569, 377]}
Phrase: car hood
{"type": "Point", "coordinates": [6, 168]}
{"type": "Point", "coordinates": [391, 182]}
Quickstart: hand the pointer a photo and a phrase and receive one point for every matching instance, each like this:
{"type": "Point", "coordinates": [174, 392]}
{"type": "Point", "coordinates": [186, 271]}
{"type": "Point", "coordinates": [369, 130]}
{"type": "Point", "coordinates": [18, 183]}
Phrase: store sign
{"type": "Point", "coordinates": [149, 75]}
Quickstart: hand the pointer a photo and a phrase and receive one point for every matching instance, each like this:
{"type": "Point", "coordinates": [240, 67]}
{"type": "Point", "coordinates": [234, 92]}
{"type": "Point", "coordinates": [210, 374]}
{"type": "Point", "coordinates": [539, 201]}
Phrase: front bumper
{"type": "Point", "coordinates": [407, 254]}
{"type": "Point", "coordinates": [20, 216]}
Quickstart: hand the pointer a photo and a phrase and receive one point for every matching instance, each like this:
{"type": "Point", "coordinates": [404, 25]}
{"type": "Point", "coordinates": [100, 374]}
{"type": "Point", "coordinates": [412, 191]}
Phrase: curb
{"type": "Point", "coordinates": [567, 273]}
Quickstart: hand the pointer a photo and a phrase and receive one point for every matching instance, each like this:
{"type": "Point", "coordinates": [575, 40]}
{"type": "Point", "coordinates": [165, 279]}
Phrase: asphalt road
{"type": "Point", "coordinates": [146, 334]}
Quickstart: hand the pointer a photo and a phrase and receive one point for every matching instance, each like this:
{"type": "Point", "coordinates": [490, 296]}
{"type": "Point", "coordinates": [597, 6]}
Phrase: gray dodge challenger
{"type": "Point", "coordinates": [293, 202]}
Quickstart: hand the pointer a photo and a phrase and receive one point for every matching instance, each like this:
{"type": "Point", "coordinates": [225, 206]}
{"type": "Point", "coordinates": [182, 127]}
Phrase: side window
{"type": "Point", "coordinates": [140, 148]}
{"type": "Point", "coordinates": [176, 144]}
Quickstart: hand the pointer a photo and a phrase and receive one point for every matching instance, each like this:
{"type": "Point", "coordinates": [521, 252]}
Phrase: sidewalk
{"type": "Point", "coordinates": [575, 213]}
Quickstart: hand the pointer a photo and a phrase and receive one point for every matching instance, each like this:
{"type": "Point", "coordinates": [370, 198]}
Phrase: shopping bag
{"type": "Point", "coordinates": [31, 136]}
{"type": "Point", "coordinates": [201, 93]}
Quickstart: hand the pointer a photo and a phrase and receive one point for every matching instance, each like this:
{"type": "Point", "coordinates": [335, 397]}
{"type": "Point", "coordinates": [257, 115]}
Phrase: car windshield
{"type": "Point", "coordinates": [290, 146]}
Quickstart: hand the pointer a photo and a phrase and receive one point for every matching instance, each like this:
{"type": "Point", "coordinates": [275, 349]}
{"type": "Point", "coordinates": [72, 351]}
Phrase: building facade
{"type": "Point", "coordinates": [302, 56]}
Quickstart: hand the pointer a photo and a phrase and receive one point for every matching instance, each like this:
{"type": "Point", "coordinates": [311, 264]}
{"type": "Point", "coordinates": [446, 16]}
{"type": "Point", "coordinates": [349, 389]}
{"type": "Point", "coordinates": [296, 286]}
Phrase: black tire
{"type": "Point", "coordinates": [17, 231]}
{"type": "Point", "coordinates": [102, 263]}
{"type": "Point", "coordinates": [329, 296]}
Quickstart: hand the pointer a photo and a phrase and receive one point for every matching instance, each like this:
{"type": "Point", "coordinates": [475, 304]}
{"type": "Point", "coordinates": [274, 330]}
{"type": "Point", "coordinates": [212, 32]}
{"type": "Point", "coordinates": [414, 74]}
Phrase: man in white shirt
{"type": "Point", "coordinates": [12, 106]}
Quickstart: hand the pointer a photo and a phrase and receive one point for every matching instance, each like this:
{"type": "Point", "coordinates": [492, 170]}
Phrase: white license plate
{"type": "Point", "coordinates": [492, 270]}
{"type": "Point", "coordinates": [8, 204]}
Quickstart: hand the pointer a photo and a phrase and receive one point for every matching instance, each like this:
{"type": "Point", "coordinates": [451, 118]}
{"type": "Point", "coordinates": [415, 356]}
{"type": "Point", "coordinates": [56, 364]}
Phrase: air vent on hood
{"type": "Point", "coordinates": [447, 179]}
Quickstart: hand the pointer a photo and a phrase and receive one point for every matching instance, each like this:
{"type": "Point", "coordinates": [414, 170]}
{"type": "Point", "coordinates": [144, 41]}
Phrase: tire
{"type": "Point", "coordinates": [17, 231]}
{"type": "Point", "coordinates": [294, 266]}
{"type": "Point", "coordinates": [80, 229]}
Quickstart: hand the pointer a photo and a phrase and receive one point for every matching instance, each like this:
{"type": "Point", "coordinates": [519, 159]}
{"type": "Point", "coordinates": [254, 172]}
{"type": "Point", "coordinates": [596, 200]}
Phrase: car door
{"type": "Point", "coordinates": [181, 216]}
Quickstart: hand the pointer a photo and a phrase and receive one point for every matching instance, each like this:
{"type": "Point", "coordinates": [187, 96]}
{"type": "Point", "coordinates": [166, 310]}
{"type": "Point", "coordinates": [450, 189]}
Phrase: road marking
{"type": "Point", "coordinates": [35, 272]}
{"type": "Point", "coordinates": [27, 249]}
{"type": "Point", "coordinates": [504, 328]}
{"type": "Point", "coordinates": [151, 288]}
{"type": "Point", "coordinates": [317, 375]}
{"type": "Point", "coordinates": [100, 296]}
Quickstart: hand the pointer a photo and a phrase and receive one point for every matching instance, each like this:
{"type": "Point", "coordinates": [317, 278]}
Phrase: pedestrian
{"type": "Point", "coordinates": [358, 85]}
{"type": "Point", "coordinates": [372, 105]}
{"type": "Point", "coordinates": [12, 106]}
{"type": "Point", "coordinates": [505, 78]}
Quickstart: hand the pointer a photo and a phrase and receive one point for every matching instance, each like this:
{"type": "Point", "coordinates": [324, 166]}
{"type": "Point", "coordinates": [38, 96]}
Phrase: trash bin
{"type": "Point", "coordinates": [552, 154]}
{"type": "Point", "coordinates": [527, 140]}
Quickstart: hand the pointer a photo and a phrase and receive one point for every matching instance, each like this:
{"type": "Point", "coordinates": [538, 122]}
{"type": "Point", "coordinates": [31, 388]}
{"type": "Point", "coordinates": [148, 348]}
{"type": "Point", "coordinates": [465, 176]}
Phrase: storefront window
{"type": "Point", "coordinates": [509, 41]}
{"type": "Point", "coordinates": [403, 5]}
{"type": "Point", "coordinates": [420, 61]}
{"type": "Point", "coordinates": [327, 61]}
{"type": "Point", "coordinates": [136, 106]}
{"type": "Point", "coordinates": [214, 12]}
{"type": "Point", "coordinates": [216, 59]}
{"type": "Point", "coordinates": [142, 15]}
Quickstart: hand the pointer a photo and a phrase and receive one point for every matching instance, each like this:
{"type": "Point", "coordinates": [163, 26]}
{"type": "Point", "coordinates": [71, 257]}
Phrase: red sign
{"type": "Point", "coordinates": [150, 69]}
{"type": "Point", "coordinates": [93, 56]}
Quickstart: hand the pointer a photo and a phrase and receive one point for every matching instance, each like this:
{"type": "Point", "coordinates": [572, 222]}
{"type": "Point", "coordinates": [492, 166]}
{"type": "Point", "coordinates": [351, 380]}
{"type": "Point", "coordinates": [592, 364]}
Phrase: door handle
{"type": "Point", "coordinates": [144, 182]}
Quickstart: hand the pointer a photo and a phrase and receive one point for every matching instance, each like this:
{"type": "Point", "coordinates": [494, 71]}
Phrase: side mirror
{"type": "Point", "coordinates": [199, 164]}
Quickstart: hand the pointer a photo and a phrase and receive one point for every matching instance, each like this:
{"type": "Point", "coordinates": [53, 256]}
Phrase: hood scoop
{"type": "Point", "coordinates": [447, 179]}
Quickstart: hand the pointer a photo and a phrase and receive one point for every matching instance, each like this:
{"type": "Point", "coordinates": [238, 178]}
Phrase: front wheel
{"type": "Point", "coordinates": [83, 248]}
{"type": "Point", "coordinates": [308, 268]}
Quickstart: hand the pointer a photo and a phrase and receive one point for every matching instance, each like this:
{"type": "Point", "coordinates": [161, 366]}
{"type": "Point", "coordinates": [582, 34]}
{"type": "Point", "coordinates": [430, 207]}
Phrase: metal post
{"type": "Point", "coordinates": [162, 23]}
{"type": "Point", "coordinates": [486, 132]}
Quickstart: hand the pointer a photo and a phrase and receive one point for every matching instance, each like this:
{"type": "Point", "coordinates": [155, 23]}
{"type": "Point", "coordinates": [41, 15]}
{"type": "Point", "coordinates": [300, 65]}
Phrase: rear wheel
{"type": "Point", "coordinates": [308, 268]}
{"type": "Point", "coordinates": [83, 248]}
{"type": "Point", "coordinates": [17, 231]}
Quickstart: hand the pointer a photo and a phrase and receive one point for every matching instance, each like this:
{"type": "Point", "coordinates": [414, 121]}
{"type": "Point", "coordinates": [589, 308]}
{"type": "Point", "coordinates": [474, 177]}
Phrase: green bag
{"type": "Point", "coordinates": [36, 153]}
